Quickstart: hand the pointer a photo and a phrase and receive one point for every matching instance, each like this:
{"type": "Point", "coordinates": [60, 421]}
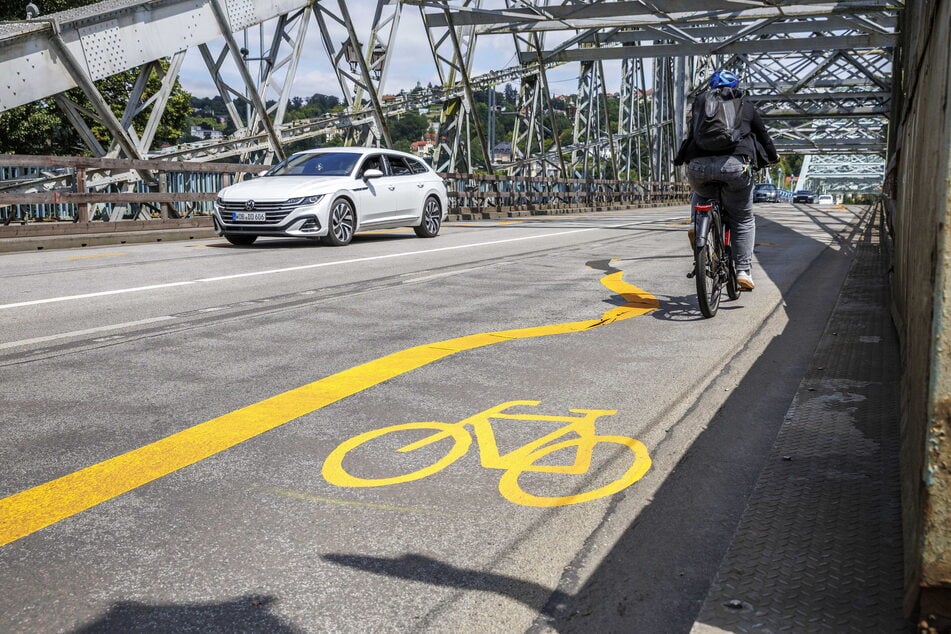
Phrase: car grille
{"type": "Point", "coordinates": [275, 212]}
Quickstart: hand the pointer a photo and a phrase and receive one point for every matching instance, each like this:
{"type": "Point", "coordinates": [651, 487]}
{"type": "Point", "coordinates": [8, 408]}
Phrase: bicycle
{"type": "Point", "coordinates": [714, 267]}
{"type": "Point", "coordinates": [526, 458]}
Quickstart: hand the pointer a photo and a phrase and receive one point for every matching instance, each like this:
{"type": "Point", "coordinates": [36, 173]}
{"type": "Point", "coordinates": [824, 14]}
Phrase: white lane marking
{"type": "Point", "coordinates": [79, 333]}
{"type": "Point", "coordinates": [67, 298]}
{"type": "Point", "coordinates": [303, 267]}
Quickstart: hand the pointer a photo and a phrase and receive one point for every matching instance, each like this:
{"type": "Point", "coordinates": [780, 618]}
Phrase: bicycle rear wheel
{"type": "Point", "coordinates": [707, 259]}
{"type": "Point", "coordinates": [732, 287]}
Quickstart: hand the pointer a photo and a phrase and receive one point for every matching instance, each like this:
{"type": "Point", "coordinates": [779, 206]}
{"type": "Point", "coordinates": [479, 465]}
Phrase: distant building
{"type": "Point", "coordinates": [200, 132]}
{"type": "Point", "coordinates": [502, 152]}
{"type": "Point", "coordinates": [425, 147]}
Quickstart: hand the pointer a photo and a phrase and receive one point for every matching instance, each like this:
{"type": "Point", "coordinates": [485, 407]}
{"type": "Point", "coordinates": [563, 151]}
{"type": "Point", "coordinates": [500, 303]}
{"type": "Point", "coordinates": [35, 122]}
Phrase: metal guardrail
{"type": "Point", "coordinates": [471, 195]}
{"type": "Point", "coordinates": [94, 195]}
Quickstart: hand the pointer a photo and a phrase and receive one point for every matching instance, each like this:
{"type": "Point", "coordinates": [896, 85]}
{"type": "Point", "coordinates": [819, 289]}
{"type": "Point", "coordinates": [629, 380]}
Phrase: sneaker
{"type": "Point", "coordinates": [745, 280]}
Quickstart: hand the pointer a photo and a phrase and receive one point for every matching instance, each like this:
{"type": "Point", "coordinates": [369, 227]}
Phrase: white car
{"type": "Point", "coordinates": [826, 199]}
{"type": "Point", "coordinates": [332, 193]}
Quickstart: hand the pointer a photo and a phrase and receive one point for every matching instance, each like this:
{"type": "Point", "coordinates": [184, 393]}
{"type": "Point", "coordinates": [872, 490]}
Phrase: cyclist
{"type": "Point", "coordinates": [729, 169]}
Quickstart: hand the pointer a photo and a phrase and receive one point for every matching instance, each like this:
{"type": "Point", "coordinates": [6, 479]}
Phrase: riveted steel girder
{"type": "Point", "coordinates": [593, 153]}
{"type": "Point", "coordinates": [819, 71]}
{"type": "Point", "coordinates": [110, 37]}
{"type": "Point", "coordinates": [78, 47]}
{"type": "Point", "coordinates": [453, 50]}
{"type": "Point", "coordinates": [842, 173]}
{"type": "Point", "coordinates": [535, 127]}
{"type": "Point", "coordinates": [578, 15]}
{"type": "Point", "coordinates": [361, 68]}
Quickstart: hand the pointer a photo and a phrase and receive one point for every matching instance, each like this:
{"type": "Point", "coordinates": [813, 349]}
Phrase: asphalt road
{"type": "Point", "coordinates": [186, 427]}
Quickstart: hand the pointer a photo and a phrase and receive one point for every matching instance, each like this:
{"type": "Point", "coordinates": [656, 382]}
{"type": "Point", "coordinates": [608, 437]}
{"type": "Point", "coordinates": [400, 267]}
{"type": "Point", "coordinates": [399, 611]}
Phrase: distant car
{"type": "Point", "coordinates": [765, 193]}
{"type": "Point", "coordinates": [826, 199]}
{"type": "Point", "coordinates": [331, 194]}
{"type": "Point", "coordinates": [803, 196]}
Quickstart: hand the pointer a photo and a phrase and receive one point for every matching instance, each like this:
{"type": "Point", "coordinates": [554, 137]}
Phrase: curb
{"type": "Point", "coordinates": [43, 243]}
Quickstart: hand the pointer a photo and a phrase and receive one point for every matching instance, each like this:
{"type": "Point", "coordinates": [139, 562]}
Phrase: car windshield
{"type": "Point", "coordinates": [319, 164]}
{"type": "Point", "coordinates": [803, 191]}
{"type": "Point", "coordinates": [765, 186]}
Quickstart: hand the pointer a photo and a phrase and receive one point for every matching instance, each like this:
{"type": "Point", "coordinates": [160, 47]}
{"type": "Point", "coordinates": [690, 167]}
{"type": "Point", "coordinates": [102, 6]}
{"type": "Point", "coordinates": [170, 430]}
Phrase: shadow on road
{"type": "Point", "coordinates": [421, 568]}
{"type": "Point", "coordinates": [249, 613]}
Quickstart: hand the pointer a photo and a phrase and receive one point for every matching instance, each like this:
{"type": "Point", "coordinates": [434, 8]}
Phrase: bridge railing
{"type": "Point", "coordinates": [85, 190]}
{"type": "Point", "coordinates": [85, 194]}
{"type": "Point", "coordinates": [474, 195]}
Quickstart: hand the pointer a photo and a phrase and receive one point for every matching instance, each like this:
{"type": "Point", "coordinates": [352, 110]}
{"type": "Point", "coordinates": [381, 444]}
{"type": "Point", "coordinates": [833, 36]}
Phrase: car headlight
{"type": "Point", "coordinates": [303, 200]}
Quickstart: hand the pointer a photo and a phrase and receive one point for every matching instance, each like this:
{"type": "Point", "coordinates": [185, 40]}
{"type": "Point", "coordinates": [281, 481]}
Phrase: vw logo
{"type": "Point", "coordinates": [249, 205]}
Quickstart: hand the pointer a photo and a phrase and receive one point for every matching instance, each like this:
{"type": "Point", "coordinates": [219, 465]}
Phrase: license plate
{"type": "Point", "coordinates": [248, 216]}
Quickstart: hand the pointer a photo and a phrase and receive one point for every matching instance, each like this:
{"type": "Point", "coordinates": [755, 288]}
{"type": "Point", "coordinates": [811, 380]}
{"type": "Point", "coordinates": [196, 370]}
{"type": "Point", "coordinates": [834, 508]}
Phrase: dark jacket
{"type": "Point", "coordinates": [755, 143]}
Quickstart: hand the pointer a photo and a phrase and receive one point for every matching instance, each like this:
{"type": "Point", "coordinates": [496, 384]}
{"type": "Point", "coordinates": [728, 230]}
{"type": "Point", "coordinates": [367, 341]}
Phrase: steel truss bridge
{"type": "Point", "coordinates": [819, 70]}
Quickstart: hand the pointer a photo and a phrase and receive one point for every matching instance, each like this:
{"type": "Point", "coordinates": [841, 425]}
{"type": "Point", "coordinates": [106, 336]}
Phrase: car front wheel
{"type": "Point", "coordinates": [342, 222]}
{"type": "Point", "coordinates": [432, 219]}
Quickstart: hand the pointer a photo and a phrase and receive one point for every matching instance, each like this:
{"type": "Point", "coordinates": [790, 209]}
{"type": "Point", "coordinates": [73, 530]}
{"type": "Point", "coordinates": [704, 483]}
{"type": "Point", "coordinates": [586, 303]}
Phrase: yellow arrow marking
{"type": "Point", "coordinates": [33, 509]}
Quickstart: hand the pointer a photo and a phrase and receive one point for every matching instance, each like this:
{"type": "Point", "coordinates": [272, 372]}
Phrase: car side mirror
{"type": "Point", "coordinates": [372, 173]}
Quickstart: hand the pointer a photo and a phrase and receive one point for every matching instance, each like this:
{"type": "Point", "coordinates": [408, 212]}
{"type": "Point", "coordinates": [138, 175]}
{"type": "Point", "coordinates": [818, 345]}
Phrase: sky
{"type": "Point", "coordinates": [412, 60]}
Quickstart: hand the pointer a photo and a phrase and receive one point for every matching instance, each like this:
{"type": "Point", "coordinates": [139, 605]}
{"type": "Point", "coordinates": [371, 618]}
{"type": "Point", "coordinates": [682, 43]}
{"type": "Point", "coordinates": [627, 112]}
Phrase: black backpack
{"type": "Point", "coordinates": [716, 128]}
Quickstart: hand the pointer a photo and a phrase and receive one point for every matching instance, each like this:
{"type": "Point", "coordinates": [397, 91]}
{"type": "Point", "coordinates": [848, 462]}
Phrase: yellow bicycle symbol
{"type": "Point", "coordinates": [527, 458]}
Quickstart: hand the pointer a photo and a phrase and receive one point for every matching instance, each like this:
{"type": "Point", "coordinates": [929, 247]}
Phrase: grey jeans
{"type": "Point", "coordinates": [733, 177]}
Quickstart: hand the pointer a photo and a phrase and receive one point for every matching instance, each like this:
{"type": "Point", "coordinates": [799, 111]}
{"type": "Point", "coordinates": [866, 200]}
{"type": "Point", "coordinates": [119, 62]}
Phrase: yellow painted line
{"type": "Point", "coordinates": [33, 509]}
{"type": "Point", "coordinates": [97, 255]}
{"type": "Point", "coordinates": [367, 505]}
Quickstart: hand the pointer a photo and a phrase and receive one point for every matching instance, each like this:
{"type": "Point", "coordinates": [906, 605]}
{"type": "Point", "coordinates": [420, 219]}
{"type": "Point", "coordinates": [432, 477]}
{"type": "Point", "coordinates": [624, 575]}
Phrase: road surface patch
{"type": "Point", "coordinates": [28, 511]}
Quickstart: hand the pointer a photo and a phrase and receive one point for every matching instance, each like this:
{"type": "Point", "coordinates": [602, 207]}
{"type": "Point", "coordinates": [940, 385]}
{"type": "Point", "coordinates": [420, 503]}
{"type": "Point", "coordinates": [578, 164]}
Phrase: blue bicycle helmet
{"type": "Point", "coordinates": [724, 79]}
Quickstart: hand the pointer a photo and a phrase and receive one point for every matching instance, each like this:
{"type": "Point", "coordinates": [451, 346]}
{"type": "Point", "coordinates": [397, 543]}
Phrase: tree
{"type": "Point", "coordinates": [613, 111]}
{"type": "Point", "coordinates": [314, 106]}
{"type": "Point", "coordinates": [409, 127]}
{"type": "Point", "coordinates": [16, 9]}
{"type": "Point", "coordinates": [214, 106]}
{"type": "Point", "coordinates": [115, 90]}
{"type": "Point", "coordinates": [510, 96]}
{"type": "Point", "coordinates": [327, 102]}
{"type": "Point", "coordinates": [791, 164]}
{"type": "Point", "coordinates": [37, 128]}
